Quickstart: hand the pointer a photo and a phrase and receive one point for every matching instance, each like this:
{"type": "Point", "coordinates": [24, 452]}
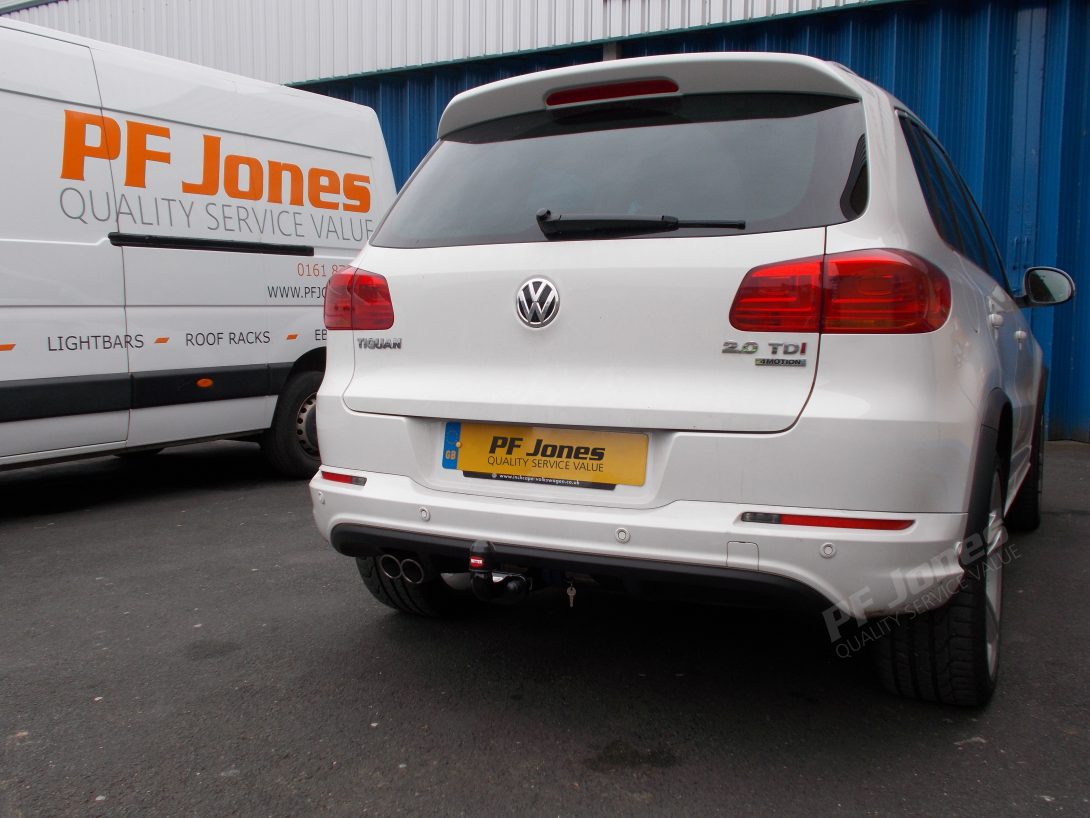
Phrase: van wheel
{"type": "Point", "coordinates": [291, 443]}
{"type": "Point", "coordinates": [1025, 512]}
{"type": "Point", "coordinates": [951, 654]}
{"type": "Point", "coordinates": [431, 598]}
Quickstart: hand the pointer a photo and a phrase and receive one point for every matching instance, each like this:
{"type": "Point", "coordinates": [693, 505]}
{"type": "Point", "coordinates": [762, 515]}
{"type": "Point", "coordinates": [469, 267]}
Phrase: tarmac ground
{"type": "Point", "coordinates": [176, 639]}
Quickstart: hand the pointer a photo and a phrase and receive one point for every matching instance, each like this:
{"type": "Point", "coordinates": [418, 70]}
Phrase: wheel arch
{"type": "Point", "coordinates": [997, 426]}
{"type": "Point", "coordinates": [993, 449]}
{"type": "Point", "coordinates": [310, 361]}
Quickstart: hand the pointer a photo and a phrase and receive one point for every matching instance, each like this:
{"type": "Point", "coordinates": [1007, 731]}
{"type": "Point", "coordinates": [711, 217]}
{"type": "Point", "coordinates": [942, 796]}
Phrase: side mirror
{"type": "Point", "coordinates": [1046, 287]}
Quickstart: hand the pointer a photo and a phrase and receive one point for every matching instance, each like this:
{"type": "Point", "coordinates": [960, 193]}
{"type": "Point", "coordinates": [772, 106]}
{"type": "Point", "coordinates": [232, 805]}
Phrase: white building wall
{"type": "Point", "coordinates": [298, 40]}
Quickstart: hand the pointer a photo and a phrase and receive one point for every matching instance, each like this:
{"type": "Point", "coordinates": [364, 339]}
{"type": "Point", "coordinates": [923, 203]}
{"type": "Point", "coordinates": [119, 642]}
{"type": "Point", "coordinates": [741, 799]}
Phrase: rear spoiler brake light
{"type": "Point", "coordinates": [611, 90]}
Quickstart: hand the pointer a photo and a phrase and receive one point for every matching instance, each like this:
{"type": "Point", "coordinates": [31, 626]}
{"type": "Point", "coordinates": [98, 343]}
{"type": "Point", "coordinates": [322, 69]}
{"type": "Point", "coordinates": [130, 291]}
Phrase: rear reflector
{"type": "Point", "coordinates": [869, 291]}
{"type": "Point", "coordinates": [817, 521]}
{"type": "Point", "coordinates": [356, 299]}
{"type": "Point", "coordinates": [612, 90]}
{"type": "Point", "coordinates": [337, 477]}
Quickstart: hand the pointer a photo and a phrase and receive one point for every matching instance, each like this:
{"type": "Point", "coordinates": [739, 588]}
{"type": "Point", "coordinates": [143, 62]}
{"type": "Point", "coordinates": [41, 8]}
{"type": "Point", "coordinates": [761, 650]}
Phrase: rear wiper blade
{"type": "Point", "coordinates": [558, 224]}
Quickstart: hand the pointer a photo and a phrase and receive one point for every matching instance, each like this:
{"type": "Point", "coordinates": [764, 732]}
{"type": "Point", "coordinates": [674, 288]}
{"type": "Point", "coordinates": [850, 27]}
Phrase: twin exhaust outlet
{"type": "Point", "coordinates": [407, 569]}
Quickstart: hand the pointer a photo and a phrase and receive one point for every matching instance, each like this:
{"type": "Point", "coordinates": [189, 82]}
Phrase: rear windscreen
{"type": "Point", "coordinates": [772, 161]}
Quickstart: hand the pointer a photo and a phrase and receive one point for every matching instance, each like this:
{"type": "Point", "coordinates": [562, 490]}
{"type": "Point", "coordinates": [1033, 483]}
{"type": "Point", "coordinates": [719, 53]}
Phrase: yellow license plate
{"type": "Point", "coordinates": [540, 454]}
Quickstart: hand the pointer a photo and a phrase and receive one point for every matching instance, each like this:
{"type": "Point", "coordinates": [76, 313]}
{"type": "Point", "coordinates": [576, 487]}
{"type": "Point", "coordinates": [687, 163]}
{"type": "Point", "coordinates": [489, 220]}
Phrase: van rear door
{"type": "Point", "coordinates": [63, 344]}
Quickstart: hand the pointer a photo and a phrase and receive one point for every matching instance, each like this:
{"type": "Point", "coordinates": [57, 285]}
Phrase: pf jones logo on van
{"type": "Point", "coordinates": [203, 167]}
{"type": "Point", "coordinates": [239, 177]}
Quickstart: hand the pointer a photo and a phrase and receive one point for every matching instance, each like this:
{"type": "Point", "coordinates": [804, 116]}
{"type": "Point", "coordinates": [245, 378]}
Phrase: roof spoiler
{"type": "Point", "coordinates": [687, 73]}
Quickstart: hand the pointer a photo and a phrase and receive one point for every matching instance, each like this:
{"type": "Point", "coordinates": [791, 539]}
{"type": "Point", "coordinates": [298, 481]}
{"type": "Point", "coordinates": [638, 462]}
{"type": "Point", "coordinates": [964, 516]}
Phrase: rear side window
{"type": "Point", "coordinates": [953, 210]}
{"type": "Point", "coordinates": [774, 161]}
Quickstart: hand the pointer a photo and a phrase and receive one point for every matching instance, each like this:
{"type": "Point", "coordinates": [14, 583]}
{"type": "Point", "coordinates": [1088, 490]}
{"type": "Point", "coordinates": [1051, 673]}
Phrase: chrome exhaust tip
{"type": "Point", "coordinates": [390, 566]}
{"type": "Point", "coordinates": [412, 571]}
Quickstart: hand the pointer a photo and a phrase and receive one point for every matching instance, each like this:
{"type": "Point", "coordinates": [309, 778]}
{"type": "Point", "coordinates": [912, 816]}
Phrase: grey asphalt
{"type": "Point", "coordinates": [177, 640]}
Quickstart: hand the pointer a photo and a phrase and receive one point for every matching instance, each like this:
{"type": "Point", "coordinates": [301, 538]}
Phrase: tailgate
{"type": "Point", "coordinates": [638, 341]}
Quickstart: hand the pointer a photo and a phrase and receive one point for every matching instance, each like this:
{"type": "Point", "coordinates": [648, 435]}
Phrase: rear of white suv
{"type": "Point", "coordinates": [724, 323]}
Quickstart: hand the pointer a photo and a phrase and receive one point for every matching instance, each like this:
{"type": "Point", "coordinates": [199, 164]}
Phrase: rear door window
{"type": "Point", "coordinates": [953, 209]}
{"type": "Point", "coordinates": [774, 161]}
{"type": "Point", "coordinates": [934, 191]}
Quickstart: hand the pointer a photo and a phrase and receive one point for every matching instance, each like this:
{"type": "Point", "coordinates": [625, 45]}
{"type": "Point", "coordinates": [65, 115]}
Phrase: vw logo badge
{"type": "Point", "coordinates": [537, 302]}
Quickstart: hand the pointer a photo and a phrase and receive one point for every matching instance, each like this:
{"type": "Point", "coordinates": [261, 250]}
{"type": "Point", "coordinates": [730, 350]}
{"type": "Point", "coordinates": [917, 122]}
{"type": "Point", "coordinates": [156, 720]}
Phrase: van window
{"type": "Point", "coordinates": [773, 161]}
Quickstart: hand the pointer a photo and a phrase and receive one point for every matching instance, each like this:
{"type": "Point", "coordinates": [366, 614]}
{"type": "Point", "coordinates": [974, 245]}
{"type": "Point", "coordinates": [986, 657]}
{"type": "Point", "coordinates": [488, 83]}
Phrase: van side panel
{"type": "Point", "coordinates": [164, 257]}
{"type": "Point", "coordinates": [63, 340]}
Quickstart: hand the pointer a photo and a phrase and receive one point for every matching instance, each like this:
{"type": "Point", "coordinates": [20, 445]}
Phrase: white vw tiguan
{"type": "Point", "coordinates": [724, 324]}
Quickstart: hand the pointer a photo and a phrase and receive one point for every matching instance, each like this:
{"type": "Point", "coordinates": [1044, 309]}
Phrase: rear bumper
{"type": "Point", "coordinates": [861, 573]}
{"type": "Point", "coordinates": [643, 578]}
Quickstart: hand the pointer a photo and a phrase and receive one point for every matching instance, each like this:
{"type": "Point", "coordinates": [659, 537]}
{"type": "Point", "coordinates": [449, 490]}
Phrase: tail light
{"type": "Point", "coordinates": [780, 298]}
{"type": "Point", "coordinates": [870, 291]}
{"type": "Point", "coordinates": [356, 299]}
{"type": "Point", "coordinates": [887, 291]}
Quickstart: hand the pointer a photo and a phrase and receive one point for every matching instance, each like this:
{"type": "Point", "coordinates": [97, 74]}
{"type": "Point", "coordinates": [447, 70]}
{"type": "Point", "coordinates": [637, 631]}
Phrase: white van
{"type": "Point", "coordinates": [166, 234]}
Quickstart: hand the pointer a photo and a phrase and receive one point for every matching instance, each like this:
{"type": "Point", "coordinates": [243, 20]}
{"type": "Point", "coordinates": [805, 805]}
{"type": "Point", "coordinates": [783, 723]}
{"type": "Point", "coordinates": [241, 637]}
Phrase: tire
{"type": "Point", "coordinates": [432, 598]}
{"type": "Point", "coordinates": [1025, 512]}
{"type": "Point", "coordinates": [291, 443]}
{"type": "Point", "coordinates": [951, 654]}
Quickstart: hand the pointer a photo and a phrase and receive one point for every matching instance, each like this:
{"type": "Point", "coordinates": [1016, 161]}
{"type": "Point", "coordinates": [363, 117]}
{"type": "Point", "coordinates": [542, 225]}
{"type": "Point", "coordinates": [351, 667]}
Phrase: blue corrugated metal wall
{"type": "Point", "coordinates": [1004, 85]}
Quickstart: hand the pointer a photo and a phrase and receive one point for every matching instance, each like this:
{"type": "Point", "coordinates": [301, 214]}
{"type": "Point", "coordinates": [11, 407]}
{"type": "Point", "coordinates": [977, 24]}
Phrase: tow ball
{"type": "Point", "coordinates": [489, 585]}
